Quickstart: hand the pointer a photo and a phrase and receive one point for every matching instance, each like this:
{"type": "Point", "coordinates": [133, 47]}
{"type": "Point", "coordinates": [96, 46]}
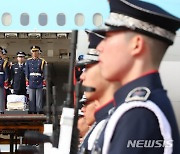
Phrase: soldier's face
{"type": "Point", "coordinates": [89, 110]}
{"type": "Point", "coordinates": [1, 54]}
{"type": "Point", "coordinates": [92, 77]}
{"type": "Point", "coordinates": [20, 59]}
{"type": "Point", "coordinates": [115, 58]}
{"type": "Point", "coordinates": [35, 53]}
{"type": "Point", "coordinates": [82, 126]}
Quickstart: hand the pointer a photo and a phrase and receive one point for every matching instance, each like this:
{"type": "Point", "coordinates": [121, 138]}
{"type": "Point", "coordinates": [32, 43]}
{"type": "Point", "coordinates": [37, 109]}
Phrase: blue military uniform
{"type": "Point", "coordinates": [3, 71]}
{"type": "Point", "coordinates": [34, 72]}
{"type": "Point", "coordinates": [18, 78]}
{"type": "Point", "coordinates": [89, 141]}
{"type": "Point", "coordinates": [140, 123]}
{"type": "Point", "coordinates": [92, 58]}
{"type": "Point", "coordinates": [35, 77]}
{"type": "Point", "coordinates": [4, 77]}
{"type": "Point", "coordinates": [144, 113]}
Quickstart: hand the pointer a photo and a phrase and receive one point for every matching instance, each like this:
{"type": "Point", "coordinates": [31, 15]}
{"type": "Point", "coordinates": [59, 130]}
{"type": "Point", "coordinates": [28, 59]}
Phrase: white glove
{"type": "Point", "coordinates": [12, 91]}
{"type": "Point", "coordinates": [27, 89]}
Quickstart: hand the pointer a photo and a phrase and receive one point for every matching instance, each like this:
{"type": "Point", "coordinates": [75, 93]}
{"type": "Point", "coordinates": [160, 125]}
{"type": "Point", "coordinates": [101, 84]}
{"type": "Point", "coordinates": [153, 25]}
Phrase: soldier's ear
{"type": "Point", "coordinates": [137, 45]}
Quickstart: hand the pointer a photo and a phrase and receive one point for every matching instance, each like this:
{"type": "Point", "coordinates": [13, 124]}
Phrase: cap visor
{"type": "Point", "coordinates": [85, 62]}
{"type": "Point", "coordinates": [108, 28]}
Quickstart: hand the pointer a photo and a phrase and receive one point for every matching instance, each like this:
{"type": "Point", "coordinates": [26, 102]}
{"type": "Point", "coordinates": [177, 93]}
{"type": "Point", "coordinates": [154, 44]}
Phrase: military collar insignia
{"type": "Point", "coordinates": [138, 94]}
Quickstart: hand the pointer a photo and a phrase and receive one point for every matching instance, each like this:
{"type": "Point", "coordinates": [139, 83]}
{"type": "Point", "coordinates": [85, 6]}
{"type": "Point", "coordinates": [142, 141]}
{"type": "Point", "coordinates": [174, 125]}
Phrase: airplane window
{"type": "Point", "coordinates": [43, 19]}
{"type": "Point", "coordinates": [79, 19]}
{"type": "Point", "coordinates": [24, 19]}
{"type": "Point", "coordinates": [97, 19]}
{"type": "Point", "coordinates": [6, 19]}
{"type": "Point", "coordinates": [61, 19]}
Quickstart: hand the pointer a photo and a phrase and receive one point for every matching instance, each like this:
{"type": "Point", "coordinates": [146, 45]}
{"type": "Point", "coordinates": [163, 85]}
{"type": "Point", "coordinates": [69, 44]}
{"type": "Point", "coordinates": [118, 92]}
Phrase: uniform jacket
{"type": "Point", "coordinates": [100, 114]}
{"type": "Point", "coordinates": [140, 123]}
{"type": "Point", "coordinates": [34, 72]}
{"type": "Point", "coordinates": [4, 73]}
{"type": "Point", "coordinates": [18, 77]}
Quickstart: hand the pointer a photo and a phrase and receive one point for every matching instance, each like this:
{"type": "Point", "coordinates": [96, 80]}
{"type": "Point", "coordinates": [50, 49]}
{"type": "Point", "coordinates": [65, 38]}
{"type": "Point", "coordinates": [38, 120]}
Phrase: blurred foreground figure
{"type": "Point", "coordinates": [99, 100]}
{"type": "Point", "coordinates": [136, 37]}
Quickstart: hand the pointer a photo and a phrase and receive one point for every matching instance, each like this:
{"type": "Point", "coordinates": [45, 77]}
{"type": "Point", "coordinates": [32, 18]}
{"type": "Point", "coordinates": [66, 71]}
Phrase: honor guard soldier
{"type": "Point", "coordinates": [100, 99]}
{"type": "Point", "coordinates": [18, 78]}
{"type": "Point", "coordinates": [137, 35]}
{"type": "Point", "coordinates": [4, 77]}
{"type": "Point", "coordinates": [35, 80]}
{"type": "Point", "coordinates": [7, 89]}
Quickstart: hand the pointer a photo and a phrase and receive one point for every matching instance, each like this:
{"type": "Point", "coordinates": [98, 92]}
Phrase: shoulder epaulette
{"type": "Point", "coordinates": [43, 62]}
{"type": "Point", "coordinates": [138, 94]}
{"type": "Point", "coordinates": [5, 63]}
{"type": "Point", "coordinates": [29, 58]}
